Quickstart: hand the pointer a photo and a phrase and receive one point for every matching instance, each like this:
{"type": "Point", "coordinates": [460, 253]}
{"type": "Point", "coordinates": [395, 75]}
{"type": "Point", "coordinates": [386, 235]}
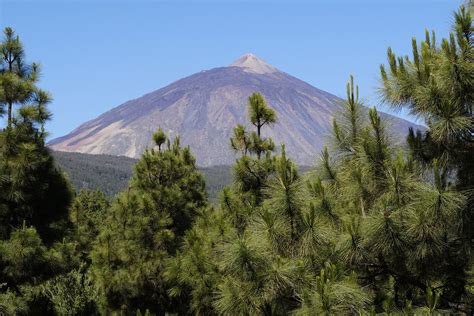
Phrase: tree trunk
{"type": "Point", "coordinates": [10, 115]}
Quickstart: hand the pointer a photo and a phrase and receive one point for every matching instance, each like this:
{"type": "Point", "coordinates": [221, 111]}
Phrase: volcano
{"type": "Point", "coordinates": [204, 108]}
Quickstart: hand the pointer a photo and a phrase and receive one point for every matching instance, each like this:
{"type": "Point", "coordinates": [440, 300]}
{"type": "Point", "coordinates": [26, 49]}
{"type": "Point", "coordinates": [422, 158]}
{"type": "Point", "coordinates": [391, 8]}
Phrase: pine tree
{"type": "Point", "coordinates": [27, 264]}
{"type": "Point", "coordinates": [334, 293]}
{"type": "Point", "coordinates": [252, 172]}
{"type": "Point", "coordinates": [33, 190]}
{"type": "Point", "coordinates": [193, 273]}
{"type": "Point", "coordinates": [391, 229]}
{"type": "Point", "coordinates": [87, 214]}
{"type": "Point", "coordinates": [243, 257]}
{"type": "Point", "coordinates": [72, 293]}
{"type": "Point", "coordinates": [17, 79]}
{"type": "Point", "coordinates": [367, 208]}
{"type": "Point", "coordinates": [143, 228]}
{"type": "Point", "coordinates": [34, 195]}
{"type": "Point", "coordinates": [436, 84]}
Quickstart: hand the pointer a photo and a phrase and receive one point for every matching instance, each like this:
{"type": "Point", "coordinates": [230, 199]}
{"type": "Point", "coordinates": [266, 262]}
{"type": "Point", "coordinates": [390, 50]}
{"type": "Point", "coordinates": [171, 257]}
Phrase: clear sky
{"type": "Point", "coordinates": [96, 55]}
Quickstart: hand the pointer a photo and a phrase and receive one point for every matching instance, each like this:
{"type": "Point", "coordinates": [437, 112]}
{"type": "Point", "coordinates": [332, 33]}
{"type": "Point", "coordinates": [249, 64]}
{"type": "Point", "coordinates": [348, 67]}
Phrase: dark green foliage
{"type": "Point", "coordinates": [110, 174]}
{"type": "Point", "coordinates": [23, 256]}
{"type": "Point", "coordinates": [87, 215]}
{"type": "Point", "coordinates": [34, 195]}
{"type": "Point", "coordinates": [216, 178]}
{"type": "Point", "coordinates": [260, 114]}
{"type": "Point", "coordinates": [143, 227]}
{"type": "Point", "coordinates": [373, 229]}
{"type": "Point", "coordinates": [33, 190]}
{"type": "Point", "coordinates": [26, 264]}
{"type": "Point", "coordinates": [251, 172]}
{"type": "Point", "coordinates": [173, 183]}
{"type": "Point", "coordinates": [159, 138]}
{"type": "Point", "coordinates": [17, 79]}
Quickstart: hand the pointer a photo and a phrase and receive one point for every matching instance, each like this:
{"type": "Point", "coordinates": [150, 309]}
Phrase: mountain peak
{"type": "Point", "coordinates": [252, 63]}
{"type": "Point", "coordinates": [204, 108]}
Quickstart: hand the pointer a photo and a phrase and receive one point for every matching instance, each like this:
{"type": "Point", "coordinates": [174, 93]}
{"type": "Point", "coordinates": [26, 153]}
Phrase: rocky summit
{"type": "Point", "coordinates": [204, 108]}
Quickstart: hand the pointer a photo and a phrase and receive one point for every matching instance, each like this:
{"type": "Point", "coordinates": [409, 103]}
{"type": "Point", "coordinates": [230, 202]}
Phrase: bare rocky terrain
{"type": "Point", "coordinates": [204, 108]}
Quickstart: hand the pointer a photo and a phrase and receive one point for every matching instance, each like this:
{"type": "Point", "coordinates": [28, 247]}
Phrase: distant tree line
{"type": "Point", "coordinates": [374, 228]}
{"type": "Point", "coordinates": [110, 174]}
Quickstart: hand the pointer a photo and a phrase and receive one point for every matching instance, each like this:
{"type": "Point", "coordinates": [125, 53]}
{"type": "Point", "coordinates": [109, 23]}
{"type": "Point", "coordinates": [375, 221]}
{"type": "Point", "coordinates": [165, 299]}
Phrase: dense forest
{"type": "Point", "coordinates": [374, 228]}
{"type": "Point", "coordinates": [110, 174]}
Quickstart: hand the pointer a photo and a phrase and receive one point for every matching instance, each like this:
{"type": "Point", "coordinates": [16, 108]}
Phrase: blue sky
{"type": "Point", "coordinates": [98, 54]}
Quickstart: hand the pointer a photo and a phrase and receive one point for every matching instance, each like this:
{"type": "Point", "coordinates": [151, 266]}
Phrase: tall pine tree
{"type": "Point", "coordinates": [34, 195]}
{"type": "Point", "coordinates": [144, 226]}
{"type": "Point", "coordinates": [436, 84]}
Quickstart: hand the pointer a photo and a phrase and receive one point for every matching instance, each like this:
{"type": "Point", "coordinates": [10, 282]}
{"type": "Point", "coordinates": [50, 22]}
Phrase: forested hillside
{"type": "Point", "coordinates": [110, 174]}
{"type": "Point", "coordinates": [375, 228]}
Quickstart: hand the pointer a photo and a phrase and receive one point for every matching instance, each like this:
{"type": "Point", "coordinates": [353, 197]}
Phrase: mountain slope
{"type": "Point", "coordinates": [203, 109]}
